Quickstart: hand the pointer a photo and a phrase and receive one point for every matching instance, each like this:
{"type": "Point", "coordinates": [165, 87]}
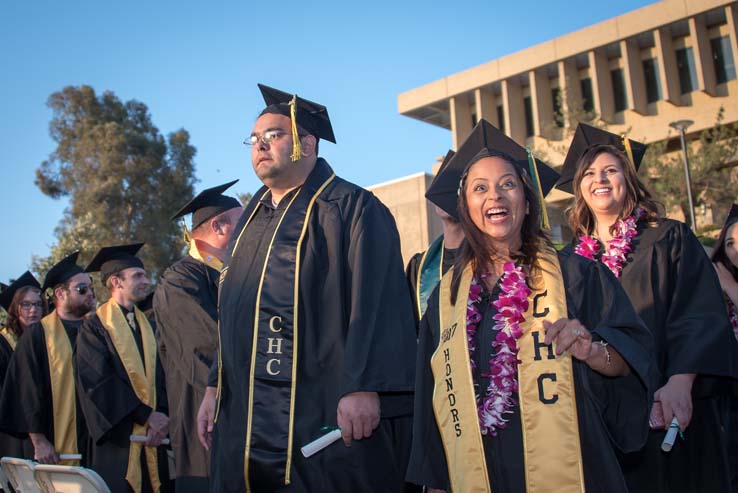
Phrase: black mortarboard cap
{"type": "Point", "coordinates": [3, 286]}
{"type": "Point", "coordinates": [485, 140]}
{"type": "Point", "coordinates": [587, 137]}
{"type": "Point", "coordinates": [112, 259]}
{"type": "Point", "coordinates": [26, 279]}
{"type": "Point", "coordinates": [311, 116]}
{"type": "Point", "coordinates": [62, 271]}
{"type": "Point", "coordinates": [208, 203]}
{"type": "Point", "coordinates": [732, 215]}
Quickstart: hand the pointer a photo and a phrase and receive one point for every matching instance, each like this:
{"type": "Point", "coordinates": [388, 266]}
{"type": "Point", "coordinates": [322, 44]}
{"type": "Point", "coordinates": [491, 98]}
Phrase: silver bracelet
{"type": "Point", "coordinates": [607, 351]}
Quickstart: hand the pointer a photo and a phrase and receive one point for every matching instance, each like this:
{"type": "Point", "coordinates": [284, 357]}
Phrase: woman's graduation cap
{"type": "Point", "coordinates": [113, 259]}
{"type": "Point", "coordinates": [587, 137]}
{"type": "Point", "coordinates": [486, 140]}
{"type": "Point", "coordinates": [62, 271]}
{"type": "Point", "coordinates": [311, 116]}
{"type": "Point", "coordinates": [208, 203]}
{"type": "Point", "coordinates": [26, 279]}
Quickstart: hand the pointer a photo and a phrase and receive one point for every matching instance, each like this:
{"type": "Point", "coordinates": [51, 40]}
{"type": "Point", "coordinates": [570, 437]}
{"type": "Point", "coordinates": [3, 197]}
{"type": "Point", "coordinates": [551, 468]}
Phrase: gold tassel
{"type": "Point", "coordinates": [629, 152]}
{"type": "Point", "coordinates": [186, 235]}
{"type": "Point", "coordinates": [539, 189]}
{"type": "Point", "coordinates": [296, 147]}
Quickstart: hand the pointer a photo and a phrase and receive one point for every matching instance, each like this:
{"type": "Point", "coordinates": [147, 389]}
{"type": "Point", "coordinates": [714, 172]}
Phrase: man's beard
{"type": "Point", "coordinates": [79, 308]}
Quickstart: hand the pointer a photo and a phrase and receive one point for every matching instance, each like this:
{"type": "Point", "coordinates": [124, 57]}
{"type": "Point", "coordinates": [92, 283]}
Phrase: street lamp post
{"type": "Point", "coordinates": [681, 126]}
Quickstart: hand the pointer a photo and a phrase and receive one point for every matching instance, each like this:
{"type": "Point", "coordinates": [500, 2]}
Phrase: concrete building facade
{"type": "Point", "coordinates": [671, 60]}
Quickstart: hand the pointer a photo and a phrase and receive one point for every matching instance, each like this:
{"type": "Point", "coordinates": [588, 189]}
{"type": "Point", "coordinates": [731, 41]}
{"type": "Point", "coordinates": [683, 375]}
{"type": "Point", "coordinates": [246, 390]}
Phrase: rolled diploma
{"type": "Point", "coordinates": [319, 444]}
{"type": "Point", "coordinates": [141, 438]}
{"type": "Point", "coordinates": [70, 456]}
{"type": "Point", "coordinates": [670, 437]}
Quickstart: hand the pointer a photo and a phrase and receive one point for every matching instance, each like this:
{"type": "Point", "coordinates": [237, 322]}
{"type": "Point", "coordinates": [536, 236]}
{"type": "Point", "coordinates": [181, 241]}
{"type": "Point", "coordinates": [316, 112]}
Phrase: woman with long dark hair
{"type": "Point", "coordinates": [532, 366]}
{"type": "Point", "coordinates": [24, 305]}
{"type": "Point", "coordinates": [725, 259]}
{"type": "Point", "coordinates": [668, 277]}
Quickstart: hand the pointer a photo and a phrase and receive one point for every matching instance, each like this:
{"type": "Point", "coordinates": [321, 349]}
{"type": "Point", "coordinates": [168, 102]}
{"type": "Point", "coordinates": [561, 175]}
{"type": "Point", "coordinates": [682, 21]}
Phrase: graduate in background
{"type": "Point", "coordinates": [425, 269]}
{"type": "Point", "coordinates": [23, 302]}
{"type": "Point", "coordinates": [674, 289]}
{"type": "Point", "coordinates": [532, 365]}
{"type": "Point", "coordinates": [38, 394]}
{"type": "Point", "coordinates": [119, 379]}
{"type": "Point", "coordinates": [186, 313]}
{"type": "Point", "coordinates": [316, 324]}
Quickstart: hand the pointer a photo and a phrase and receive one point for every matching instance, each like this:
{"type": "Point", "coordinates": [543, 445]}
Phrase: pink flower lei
{"type": "Point", "coordinates": [503, 366]}
{"type": "Point", "coordinates": [615, 255]}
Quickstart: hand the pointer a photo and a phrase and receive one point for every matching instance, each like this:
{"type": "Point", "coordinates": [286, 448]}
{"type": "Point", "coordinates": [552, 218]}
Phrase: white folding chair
{"type": "Point", "coordinates": [69, 479]}
{"type": "Point", "coordinates": [4, 483]}
{"type": "Point", "coordinates": [20, 474]}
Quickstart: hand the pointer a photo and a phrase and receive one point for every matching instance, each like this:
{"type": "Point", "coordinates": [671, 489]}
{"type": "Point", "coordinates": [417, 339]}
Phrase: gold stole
{"type": "Point", "coordinates": [9, 336]}
{"type": "Point", "coordinates": [552, 451]}
{"type": "Point", "coordinates": [210, 261]}
{"type": "Point", "coordinates": [142, 380]}
{"type": "Point", "coordinates": [61, 376]}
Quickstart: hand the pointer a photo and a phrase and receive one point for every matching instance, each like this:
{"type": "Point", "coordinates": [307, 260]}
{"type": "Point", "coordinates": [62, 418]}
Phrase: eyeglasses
{"type": "Point", "coordinates": [83, 288]}
{"type": "Point", "coordinates": [27, 305]}
{"type": "Point", "coordinates": [266, 138]}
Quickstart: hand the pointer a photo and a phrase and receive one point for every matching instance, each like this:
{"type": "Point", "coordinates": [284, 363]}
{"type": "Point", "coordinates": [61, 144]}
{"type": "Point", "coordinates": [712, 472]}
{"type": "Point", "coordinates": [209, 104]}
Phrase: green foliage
{"type": "Point", "coordinates": [124, 179]}
{"type": "Point", "coordinates": [713, 164]}
{"type": "Point", "coordinates": [245, 198]}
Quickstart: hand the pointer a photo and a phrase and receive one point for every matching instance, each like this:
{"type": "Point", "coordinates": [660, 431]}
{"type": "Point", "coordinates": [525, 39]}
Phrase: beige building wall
{"type": "Point", "coordinates": [634, 65]}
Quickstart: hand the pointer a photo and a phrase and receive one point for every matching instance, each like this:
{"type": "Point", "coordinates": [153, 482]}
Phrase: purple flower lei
{"type": "Point", "coordinates": [503, 366]}
{"type": "Point", "coordinates": [615, 255]}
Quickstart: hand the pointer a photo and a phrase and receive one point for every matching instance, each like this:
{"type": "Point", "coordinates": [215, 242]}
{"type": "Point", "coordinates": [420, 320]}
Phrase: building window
{"type": "Point", "coordinates": [501, 118]}
{"type": "Point", "coordinates": [653, 82]}
{"type": "Point", "coordinates": [687, 70]}
{"type": "Point", "coordinates": [722, 58]}
{"type": "Point", "coordinates": [618, 89]}
{"type": "Point", "coordinates": [587, 95]}
{"type": "Point", "coordinates": [557, 102]}
{"type": "Point", "coordinates": [528, 106]}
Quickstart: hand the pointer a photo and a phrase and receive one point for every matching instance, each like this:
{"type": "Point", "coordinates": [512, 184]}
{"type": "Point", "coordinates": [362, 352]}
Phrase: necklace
{"type": "Point", "coordinates": [615, 254]}
{"type": "Point", "coordinates": [503, 365]}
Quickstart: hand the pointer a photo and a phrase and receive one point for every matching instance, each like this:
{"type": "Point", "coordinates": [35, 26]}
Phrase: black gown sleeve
{"type": "Point", "coordinates": [105, 393]}
{"type": "Point", "coordinates": [427, 465]}
{"type": "Point", "coordinates": [186, 315]}
{"type": "Point", "coordinates": [597, 300]}
{"type": "Point", "coordinates": [5, 354]}
{"type": "Point", "coordinates": [699, 338]}
{"type": "Point", "coordinates": [380, 336]}
{"type": "Point", "coordinates": [25, 403]}
{"type": "Point", "coordinates": [411, 273]}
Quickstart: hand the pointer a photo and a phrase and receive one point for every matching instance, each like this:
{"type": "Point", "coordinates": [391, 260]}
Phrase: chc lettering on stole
{"type": "Point", "coordinates": [274, 346]}
{"type": "Point", "coordinates": [545, 397]}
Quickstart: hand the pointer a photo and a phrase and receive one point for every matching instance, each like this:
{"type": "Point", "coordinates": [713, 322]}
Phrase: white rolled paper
{"type": "Point", "coordinates": [670, 437]}
{"type": "Point", "coordinates": [319, 444]}
{"type": "Point", "coordinates": [70, 456]}
{"type": "Point", "coordinates": [143, 438]}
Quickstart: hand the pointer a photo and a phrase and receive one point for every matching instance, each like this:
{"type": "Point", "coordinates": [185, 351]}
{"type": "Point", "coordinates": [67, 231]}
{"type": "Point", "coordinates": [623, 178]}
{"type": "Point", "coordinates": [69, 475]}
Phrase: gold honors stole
{"type": "Point", "coordinates": [61, 376]}
{"type": "Point", "coordinates": [142, 375]}
{"type": "Point", "coordinates": [9, 336]}
{"type": "Point", "coordinates": [552, 451]}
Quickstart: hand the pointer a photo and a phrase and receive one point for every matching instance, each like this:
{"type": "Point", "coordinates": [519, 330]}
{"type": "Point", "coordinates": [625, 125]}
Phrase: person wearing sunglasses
{"type": "Point", "coordinates": [37, 396]}
{"type": "Point", "coordinates": [22, 301]}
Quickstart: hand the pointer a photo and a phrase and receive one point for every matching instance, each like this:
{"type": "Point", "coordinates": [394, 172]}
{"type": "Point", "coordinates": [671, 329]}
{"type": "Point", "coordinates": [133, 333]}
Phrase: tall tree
{"type": "Point", "coordinates": [123, 178]}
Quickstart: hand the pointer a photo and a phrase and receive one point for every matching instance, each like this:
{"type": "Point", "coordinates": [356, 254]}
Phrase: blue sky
{"type": "Point", "coordinates": [196, 65]}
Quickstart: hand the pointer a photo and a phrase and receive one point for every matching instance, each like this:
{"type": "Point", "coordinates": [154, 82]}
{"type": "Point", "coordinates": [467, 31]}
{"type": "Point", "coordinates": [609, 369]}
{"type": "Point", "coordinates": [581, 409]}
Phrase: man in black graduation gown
{"type": "Point", "coordinates": [119, 379]}
{"type": "Point", "coordinates": [316, 325]}
{"type": "Point", "coordinates": [37, 393]}
{"type": "Point", "coordinates": [425, 269]}
{"type": "Point", "coordinates": [186, 313]}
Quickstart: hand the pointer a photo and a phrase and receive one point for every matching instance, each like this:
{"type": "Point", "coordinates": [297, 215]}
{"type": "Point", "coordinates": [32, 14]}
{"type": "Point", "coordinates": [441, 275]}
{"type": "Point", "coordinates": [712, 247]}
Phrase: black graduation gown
{"type": "Point", "coordinates": [357, 334]}
{"type": "Point", "coordinates": [26, 401]}
{"type": "Point", "coordinates": [612, 412]}
{"type": "Point", "coordinates": [675, 290]}
{"type": "Point", "coordinates": [186, 311]}
{"type": "Point", "coordinates": [11, 446]}
{"type": "Point", "coordinates": [110, 406]}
